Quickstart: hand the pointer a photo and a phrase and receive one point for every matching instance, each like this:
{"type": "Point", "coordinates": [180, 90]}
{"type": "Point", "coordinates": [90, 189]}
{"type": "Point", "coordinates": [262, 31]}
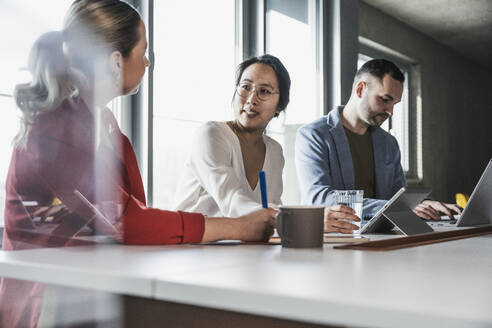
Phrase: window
{"type": "Point", "coordinates": [193, 81]}
{"type": "Point", "coordinates": [193, 84]}
{"type": "Point", "coordinates": [292, 34]}
{"type": "Point", "coordinates": [405, 124]}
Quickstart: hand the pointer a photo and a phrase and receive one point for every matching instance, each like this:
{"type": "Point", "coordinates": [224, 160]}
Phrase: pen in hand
{"type": "Point", "coordinates": [264, 201]}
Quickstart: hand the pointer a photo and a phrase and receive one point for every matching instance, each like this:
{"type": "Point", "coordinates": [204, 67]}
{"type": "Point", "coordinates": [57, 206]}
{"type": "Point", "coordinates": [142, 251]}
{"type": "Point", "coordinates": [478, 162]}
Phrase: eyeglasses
{"type": "Point", "coordinates": [262, 92]}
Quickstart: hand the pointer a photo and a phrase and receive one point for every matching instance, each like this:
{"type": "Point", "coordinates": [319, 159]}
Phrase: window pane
{"type": "Point", "coordinates": [193, 81]}
{"type": "Point", "coordinates": [288, 23]}
{"type": "Point", "coordinates": [293, 22]}
{"type": "Point", "coordinates": [29, 19]}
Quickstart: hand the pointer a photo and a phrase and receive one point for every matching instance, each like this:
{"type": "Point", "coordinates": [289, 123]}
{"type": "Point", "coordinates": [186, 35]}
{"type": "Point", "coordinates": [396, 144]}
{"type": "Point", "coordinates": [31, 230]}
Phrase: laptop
{"type": "Point", "coordinates": [398, 211]}
{"type": "Point", "coordinates": [98, 219]}
{"type": "Point", "coordinates": [478, 209]}
{"type": "Point", "coordinates": [70, 227]}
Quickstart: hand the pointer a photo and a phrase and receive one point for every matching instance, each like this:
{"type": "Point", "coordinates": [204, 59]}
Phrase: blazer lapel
{"type": "Point", "coordinates": [344, 157]}
{"type": "Point", "coordinates": [378, 146]}
{"type": "Point", "coordinates": [125, 159]}
{"type": "Point", "coordinates": [342, 148]}
{"type": "Point", "coordinates": [340, 142]}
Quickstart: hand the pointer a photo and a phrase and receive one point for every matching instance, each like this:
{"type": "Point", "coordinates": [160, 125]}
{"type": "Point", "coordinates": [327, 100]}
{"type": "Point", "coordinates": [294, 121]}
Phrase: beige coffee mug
{"type": "Point", "coordinates": [300, 226]}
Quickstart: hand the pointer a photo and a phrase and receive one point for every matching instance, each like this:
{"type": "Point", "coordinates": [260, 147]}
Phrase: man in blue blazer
{"type": "Point", "coordinates": [347, 150]}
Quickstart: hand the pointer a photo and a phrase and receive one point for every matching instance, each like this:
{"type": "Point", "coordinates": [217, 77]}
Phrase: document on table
{"type": "Point", "coordinates": [327, 239]}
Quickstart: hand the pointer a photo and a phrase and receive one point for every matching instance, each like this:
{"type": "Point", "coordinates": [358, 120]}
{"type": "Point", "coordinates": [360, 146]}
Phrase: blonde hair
{"type": "Point", "coordinates": [62, 62]}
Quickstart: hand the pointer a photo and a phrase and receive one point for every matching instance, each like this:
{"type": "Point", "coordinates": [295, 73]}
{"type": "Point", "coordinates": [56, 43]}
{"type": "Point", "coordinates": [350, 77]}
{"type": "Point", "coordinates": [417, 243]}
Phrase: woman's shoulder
{"type": "Point", "coordinates": [214, 125]}
{"type": "Point", "coordinates": [212, 139]}
{"type": "Point", "coordinates": [214, 130]}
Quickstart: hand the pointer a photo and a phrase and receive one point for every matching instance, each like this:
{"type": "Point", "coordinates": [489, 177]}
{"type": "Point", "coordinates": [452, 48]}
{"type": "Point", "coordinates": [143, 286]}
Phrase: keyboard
{"type": "Point", "coordinates": [445, 222]}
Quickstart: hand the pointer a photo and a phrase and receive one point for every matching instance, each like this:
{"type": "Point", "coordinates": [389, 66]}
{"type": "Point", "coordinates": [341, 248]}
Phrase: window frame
{"type": "Point", "coordinates": [137, 110]}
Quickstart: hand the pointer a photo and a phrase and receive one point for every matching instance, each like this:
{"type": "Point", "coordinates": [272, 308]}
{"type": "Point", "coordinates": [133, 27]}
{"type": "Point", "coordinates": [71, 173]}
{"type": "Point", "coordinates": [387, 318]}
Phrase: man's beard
{"type": "Point", "coordinates": [366, 114]}
{"type": "Point", "coordinates": [373, 119]}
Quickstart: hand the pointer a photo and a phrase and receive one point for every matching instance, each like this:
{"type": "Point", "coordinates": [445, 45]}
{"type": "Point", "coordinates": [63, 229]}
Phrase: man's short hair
{"type": "Point", "coordinates": [379, 68]}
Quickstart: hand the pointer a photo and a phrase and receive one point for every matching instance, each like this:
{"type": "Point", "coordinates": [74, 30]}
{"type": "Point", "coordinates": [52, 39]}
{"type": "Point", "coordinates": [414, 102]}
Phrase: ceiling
{"type": "Point", "coordinates": [463, 25]}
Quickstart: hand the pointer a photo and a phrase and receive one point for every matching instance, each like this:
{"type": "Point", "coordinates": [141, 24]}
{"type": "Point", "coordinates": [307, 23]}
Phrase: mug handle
{"type": "Point", "coordinates": [278, 223]}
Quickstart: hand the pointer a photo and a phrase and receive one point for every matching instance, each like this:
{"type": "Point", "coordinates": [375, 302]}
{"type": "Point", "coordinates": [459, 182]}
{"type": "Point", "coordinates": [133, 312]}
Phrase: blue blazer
{"type": "Point", "coordinates": [324, 163]}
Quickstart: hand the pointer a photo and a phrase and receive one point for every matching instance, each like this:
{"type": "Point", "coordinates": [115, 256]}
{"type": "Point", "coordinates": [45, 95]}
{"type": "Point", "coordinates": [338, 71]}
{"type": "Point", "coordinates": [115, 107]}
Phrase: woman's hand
{"type": "Point", "coordinates": [255, 226]}
{"type": "Point", "coordinates": [258, 225]}
{"type": "Point", "coordinates": [338, 219]}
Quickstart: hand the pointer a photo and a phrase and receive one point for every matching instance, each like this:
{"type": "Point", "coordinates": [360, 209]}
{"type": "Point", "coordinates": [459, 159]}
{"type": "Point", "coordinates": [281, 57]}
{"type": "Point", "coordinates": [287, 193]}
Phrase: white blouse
{"type": "Point", "coordinates": [214, 181]}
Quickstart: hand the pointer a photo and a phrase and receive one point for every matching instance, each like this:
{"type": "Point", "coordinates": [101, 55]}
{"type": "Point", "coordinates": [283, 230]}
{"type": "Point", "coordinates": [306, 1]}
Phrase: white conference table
{"type": "Point", "coordinates": [439, 285]}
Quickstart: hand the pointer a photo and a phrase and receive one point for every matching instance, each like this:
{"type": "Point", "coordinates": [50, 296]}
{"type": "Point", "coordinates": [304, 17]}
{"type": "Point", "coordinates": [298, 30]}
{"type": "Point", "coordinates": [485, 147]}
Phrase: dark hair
{"type": "Point", "coordinates": [283, 77]}
{"type": "Point", "coordinates": [379, 68]}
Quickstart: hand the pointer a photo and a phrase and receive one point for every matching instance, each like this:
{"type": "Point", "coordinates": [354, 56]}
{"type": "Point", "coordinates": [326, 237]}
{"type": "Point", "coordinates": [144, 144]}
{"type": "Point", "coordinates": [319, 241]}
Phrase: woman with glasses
{"type": "Point", "coordinates": [221, 173]}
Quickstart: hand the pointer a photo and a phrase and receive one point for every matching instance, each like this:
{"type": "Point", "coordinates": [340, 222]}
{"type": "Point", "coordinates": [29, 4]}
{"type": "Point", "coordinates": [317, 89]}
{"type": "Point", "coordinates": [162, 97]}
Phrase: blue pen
{"type": "Point", "coordinates": [264, 201]}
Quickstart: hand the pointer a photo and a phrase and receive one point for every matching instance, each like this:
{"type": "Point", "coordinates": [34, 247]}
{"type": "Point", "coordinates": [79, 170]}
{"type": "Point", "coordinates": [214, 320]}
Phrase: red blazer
{"type": "Point", "coordinates": [67, 150]}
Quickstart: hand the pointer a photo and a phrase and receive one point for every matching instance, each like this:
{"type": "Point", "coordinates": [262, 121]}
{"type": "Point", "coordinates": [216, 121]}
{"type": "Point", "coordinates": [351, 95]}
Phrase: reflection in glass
{"type": "Point", "coordinates": [73, 177]}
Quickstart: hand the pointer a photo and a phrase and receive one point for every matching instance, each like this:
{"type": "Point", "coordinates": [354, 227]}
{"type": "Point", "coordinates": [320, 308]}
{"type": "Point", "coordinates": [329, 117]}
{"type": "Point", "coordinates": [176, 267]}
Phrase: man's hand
{"type": "Point", "coordinates": [52, 213]}
{"type": "Point", "coordinates": [338, 219]}
{"type": "Point", "coordinates": [432, 210]}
